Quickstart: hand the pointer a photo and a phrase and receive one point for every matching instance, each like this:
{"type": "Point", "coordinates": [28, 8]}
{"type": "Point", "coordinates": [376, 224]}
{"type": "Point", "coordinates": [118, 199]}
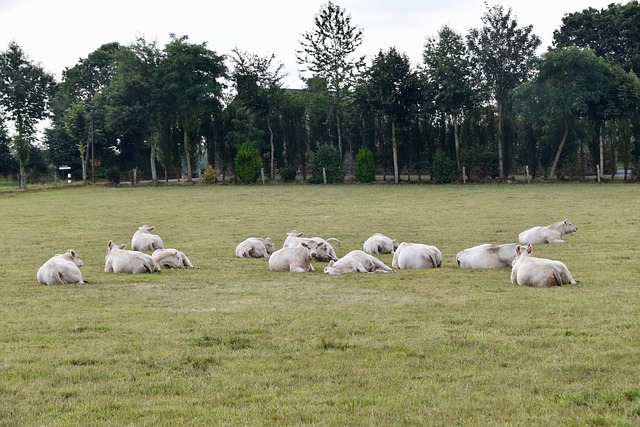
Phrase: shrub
{"type": "Point", "coordinates": [247, 163]}
{"type": "Point", "coordinates": [113, 175]}
{"type": "Point", "coordinates": [327, 157]}
{"type": "Point", "coordinates": [481, 162]}
{"type": "Point", "coordinates": [210, 175]}
{"type": "Point", "coordinates": [288, 174]}
{"type": "Point", "coordinates": [365, 167]}
{"type": "Point", "coordinates": [443, 169]}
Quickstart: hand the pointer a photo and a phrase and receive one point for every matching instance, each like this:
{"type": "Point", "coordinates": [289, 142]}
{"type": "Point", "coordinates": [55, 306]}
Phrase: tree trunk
{"type": "Point", "coordinates": [456, 139]}
{"type": "Point", "coordinates": [601, 148]}
{"type": "Point", "coordinates": [273, 169]}
{"type": "Point", "coordinates": [339, 135]}
{"type": "Point", "coordinates": [560, 147]}
{"type": "Point", "coordinates": [187, 152]}
{"type": "Point", "coordinates": [394, 145]}
{"type": "Point", "coordinates": [154, 172]}
{"type": "Point", "coordinates": [500, 140]}
{"type": "Point", "coordinates": [23, 175]}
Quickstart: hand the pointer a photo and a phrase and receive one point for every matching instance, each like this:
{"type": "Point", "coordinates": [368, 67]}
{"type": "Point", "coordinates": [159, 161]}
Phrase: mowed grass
{"type": "Point", "coordinates": [232, 343]}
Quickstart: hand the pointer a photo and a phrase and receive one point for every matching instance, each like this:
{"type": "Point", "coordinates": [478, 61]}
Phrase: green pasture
{"type": "Point", "coordinates": [232, 343]}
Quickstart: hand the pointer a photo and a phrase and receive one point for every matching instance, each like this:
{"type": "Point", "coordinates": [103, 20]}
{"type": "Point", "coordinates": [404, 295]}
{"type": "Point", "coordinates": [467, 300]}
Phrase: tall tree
{"type": "Point", "coordinates": [613, 33]}
{"type": "Point", "coordinates": [81, 86]}
{"type": "Point", "coordinates": [502, 52]}
{"type": "Point", "coordinates": [191, 72]}
{"type": "Point", "coordinates": [133, 100]}
{"type": "Point", "coordinates": [25, 89]}
{"type": "Point", "coordinates": [448, 74]}
{"type": "Point", "coordinates": [328, 52]}
{"type": "Point", "coordinates": [573, 83]}
{"type": "Point", "coordinates": [258, 82]}
{"type": "Point", "coordinates": [393, 90]}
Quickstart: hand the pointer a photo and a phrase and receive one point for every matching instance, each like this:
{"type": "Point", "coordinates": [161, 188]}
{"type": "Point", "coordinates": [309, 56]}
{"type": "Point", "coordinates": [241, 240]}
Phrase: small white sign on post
{"type": "Point", "coordinates": [66, 168]}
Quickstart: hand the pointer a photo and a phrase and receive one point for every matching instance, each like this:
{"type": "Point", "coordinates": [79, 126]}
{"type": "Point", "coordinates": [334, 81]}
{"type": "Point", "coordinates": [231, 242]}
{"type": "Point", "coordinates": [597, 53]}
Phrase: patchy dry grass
{"type": "Point", "coordinates": [232, 343]}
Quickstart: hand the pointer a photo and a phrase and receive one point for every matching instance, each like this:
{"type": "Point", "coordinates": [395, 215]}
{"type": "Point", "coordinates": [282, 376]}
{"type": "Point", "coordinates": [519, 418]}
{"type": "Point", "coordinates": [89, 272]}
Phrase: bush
{"type": "Point", "coordinates": [210, 176]}
{"type": "Point", "coordinates": [113, 175]}
{"type": "Point", "coordinates": [247, 163]}
{"type": "Point", "coordinates": [288, 174]}
{"type": "Point", "coordinates": [327, 157]}
{"type": "Point", "coordinates": [365, 170]}
{"type": "Point", "coordinates": [481, 162]}
{"type": "Point", "coordinates": [443, 169]}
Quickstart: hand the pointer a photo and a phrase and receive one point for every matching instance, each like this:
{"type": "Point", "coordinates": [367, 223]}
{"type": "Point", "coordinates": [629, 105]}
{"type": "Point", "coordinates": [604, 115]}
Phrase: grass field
{"type": "Point", "coordinates": [232, 343]}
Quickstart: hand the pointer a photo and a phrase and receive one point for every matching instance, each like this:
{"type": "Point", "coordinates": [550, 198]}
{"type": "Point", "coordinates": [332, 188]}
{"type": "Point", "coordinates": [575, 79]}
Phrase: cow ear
{"type": "Point", "coordinates": [304, 244]}
{"type": "Point", "coordinates": [529, 248]}
{"type": "Point", "coordinates": [122, 246]}
{"type": "Point", "coordinates": [110, 243]}
{"type": "Point", "coordinates": [72, 253]}
{"type": "Point", "coordinates": [331, 263]}
{"type": "Point", "coordinates": [152, 228]}
{"type": "Point", "coordinates": [518, 250]}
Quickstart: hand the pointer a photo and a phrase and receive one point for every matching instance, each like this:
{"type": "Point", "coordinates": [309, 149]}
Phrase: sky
{"type": "Point", "coordinates": [57, 34]}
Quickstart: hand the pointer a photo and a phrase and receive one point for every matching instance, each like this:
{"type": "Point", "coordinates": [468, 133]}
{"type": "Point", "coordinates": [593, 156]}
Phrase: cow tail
{"type": "Point", "coordinates": [433, 261]}
{"type": "Point", "coordinates": [558, 278]}
{"type": "Point", "coordinates": [60, 279]}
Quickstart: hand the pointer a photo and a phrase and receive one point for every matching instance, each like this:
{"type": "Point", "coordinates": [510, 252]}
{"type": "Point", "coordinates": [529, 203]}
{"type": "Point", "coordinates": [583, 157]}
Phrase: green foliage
{"type": "Point", "coordinates": [325, 157]}
{"type": "Point", "coordinates": [113, 175]}
{"type": "Point", "coordinates": [480, 162]}
{"type": "Point", "coordinates": [443, 169]}
{"type": "Point", "coordinates": [210, 175]}
{"type": "Point", "coordinates": [288, 174]}
{"type": "Point", "coordinates": [247, 163]}
{"type": "Point", "coordinates": [365, 170]}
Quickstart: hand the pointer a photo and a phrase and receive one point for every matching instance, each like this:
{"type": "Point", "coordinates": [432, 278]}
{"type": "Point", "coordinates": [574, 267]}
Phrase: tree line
{"type": "Point", "coordinates": [484, 104]}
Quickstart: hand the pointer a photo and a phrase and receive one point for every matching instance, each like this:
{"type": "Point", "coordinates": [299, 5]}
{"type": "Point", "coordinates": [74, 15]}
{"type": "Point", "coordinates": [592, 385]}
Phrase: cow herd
{"type": "Point", "coordinates": [298, 252]}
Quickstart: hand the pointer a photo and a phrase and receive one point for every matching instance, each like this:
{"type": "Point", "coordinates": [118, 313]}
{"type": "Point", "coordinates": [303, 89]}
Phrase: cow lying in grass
{"type": "Point", "coordinates": [255, 247]}
{"type": "Point", "coordinates": [530, 271]}
{"type": "Point", "coordinates": [380, 244]}
{"type": "Point", "coordinates": [61, 269]}
{"type": "Point", "coordinates": [357, 262]}
{"type": "Point", "coordinates": [171, 258]}
{"type": "Point", "coordinates": [298, 259]}
{"type": "Point", "coordinates": [294, 238]}
{"type": "Point", "coordinates": [486, 256]}
{"type": "Point", "coordinates": [143, 240]}
{"type": "Point", "coordinates": [553, 233]}
{"type": "Point", "coordinates": [119, 260]}
{"type": "Point", "coordinates": [416, 256]}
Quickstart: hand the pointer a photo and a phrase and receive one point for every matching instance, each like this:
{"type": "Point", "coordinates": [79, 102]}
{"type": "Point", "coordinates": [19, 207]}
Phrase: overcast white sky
{"type": "Point", "coordinates": [57, 33]}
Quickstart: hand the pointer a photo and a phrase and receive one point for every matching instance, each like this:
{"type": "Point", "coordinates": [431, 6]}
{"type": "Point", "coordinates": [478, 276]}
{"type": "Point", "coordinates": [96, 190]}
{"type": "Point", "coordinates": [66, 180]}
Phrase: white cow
{"type": "Point", "coordinates": [171, 258]}
{"type": "Point", "coordinates": [486, 256]}
{"type": "Point", "coordinates": [553, 233]}
{"type": "Point", "coordinates": [119, 260]}
{"type": "Point", "coordinates": [416, 255]}
{"type": "Point", "coordinates": [143, 240]}
{"type": "Point", "coordinates": [294, 238]}
{"type": "Point", "coordinates": [255, 247]}
{"type": "Point", "coordinates": [380, 244]}
{"type": "Point", "coordinates": [530, 271]}
{"type": "Point", "coordinates": [298, 259]}
{"type": "Point", "coordinates": [357, 262]}
{"type": "Point", "coordinates": [61, 269]}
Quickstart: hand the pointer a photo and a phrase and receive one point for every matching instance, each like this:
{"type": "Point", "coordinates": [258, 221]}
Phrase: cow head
{"type": "Point", "coordinates": [269, 246]}
{"type": "Point", "coordinates": [523, 251]}
{"type": "Point", "coordinates": [144, 228]}
{"type": "Point", "coordinates": [569, 227]}
{"type": "Point", "coordinates": [330, 269]}
{"type": "Point", "coordinates": [73, 256]}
